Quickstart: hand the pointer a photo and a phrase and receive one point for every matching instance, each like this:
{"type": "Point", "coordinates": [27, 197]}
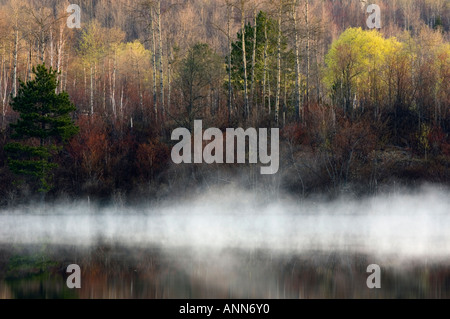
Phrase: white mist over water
{"type": "Point", "coordinates": [404, 225]}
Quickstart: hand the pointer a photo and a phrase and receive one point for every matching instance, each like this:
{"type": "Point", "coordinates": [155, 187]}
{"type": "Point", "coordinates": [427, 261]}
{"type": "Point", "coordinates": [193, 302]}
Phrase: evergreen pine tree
{"type": "Point", "coordinates": [42, 129]}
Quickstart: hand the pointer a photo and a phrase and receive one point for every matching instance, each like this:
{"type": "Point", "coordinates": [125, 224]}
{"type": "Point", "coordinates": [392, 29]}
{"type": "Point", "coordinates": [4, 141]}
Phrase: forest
{"type": "Point", "coordinates": [359, 109]}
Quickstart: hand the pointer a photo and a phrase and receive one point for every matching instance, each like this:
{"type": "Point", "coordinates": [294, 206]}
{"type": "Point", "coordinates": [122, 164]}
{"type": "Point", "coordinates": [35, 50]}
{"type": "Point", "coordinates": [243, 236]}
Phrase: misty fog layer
{"type": "Point", "coordinates": [407, 225]}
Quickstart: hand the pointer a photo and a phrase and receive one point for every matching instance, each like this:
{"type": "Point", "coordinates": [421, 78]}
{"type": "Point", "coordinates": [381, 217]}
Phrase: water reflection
{"type": "Point", "coordinates": [112, 271]}
{"type": "Point", "coordinates": [231, 244]}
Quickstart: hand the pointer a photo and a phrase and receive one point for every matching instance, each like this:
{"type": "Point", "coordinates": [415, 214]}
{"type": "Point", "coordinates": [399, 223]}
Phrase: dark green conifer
{"type": "Point", "coordinates": [44, 125]}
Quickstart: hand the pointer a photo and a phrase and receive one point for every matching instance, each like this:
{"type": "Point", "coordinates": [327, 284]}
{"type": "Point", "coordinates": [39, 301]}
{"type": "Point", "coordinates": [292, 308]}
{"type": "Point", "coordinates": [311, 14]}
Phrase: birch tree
{"type": "Point", "coordinates": [160, 56]}
{"type": "Point", "coordinates": [298, 112]}
{"type": "Point", "coordinates": [252, 84]}
{"type": "Point", "coordinates": [153, 46]}
{"type": "Point", "coordinates": [115, 37]}
{"type": "Point", "coordinates": [230, 92]}
{"type": "Point", "coordinates": [16, 11]}
{"type": "Point", "coordinates": [242, 7]}
{"type": "Point", "coordinates": [307, 50]}
{"type": "Point", "coordinates": [278, 90]}
{"type": "Point", "coordinates": [92, 48]}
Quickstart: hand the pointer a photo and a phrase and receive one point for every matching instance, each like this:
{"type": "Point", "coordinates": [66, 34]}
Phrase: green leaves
{"type": "Point", "coordinates": [43, 126]}
{"type": "Point", "coordinates": [200, 71]}
{"type": "Point", "coordinates": [262, 22]}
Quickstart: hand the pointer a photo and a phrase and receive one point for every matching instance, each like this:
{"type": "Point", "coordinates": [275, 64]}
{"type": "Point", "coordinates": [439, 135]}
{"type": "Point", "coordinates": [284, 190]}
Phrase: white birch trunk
{"type": "Point", "coordinates": [252, 85]}
{"type": "Point", "coordinates": [16, 52]}
{"type": "Point", "coordinates": [161, 66]}
{"type": "Point", "coordinates": [153, 44]}
{"type": "Point", "coordinates": [277, 97]}
{"type": "Point", "coordinates": [229, 8]}
{"type": "Point", "coordinates": [244, 59]}
{"type": "Point", "coordinates": [265, 67]}
{"type": "Point", "coordinates": [297, 65]}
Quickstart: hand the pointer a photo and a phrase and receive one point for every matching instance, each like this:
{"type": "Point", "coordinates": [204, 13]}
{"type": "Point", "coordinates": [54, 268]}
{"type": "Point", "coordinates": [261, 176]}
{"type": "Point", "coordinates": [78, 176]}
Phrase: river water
{"type": "Point", "coordinates": [237, 245]}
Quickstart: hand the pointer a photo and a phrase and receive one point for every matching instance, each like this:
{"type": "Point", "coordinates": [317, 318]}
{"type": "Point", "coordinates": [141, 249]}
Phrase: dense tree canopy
{"type": "Point", "coordinates": [349, 100]}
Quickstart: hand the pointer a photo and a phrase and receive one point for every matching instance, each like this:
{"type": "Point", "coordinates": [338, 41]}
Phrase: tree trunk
{"type": "Point", "coordinates": [161, 68]}
{"type": "Point", "coordinates": [2, 71]}
{"type": "Point", "coordinates": [244, 59]}
{"type": "Point", "coordinates": [113, 85]}
{"type": "Point", "coordinates": [42, 44]}
{"type": "Point", "coordinates": [121, 103]}
{"type": "Point", "coordinates": [252, 85]}
{"type": "Point", "coordinates": [284, 100]}
{"type": "Point", "coordinates": [104, 88]}
{"type": "Point", "coordinates": [64, 78]}
{"type": "Point", "coordinates": [60, 48]}
{"type": "Point", "coordinates": [277, 98]}
{"type": "Point", "coordinates": [30, 65]}
{"type": "Point", "coordinates": [51, 48]}
{"type": "Point", "coordinates": [85, 85]}
{"type": "Point", "coordinates": [307, 50]}
{"type": "Point", "coordinates": [110, 84]}
{"type": "Point", "coordinates": [5, 95]}
{"type": "Point", "coordinates": [297, 65]}
{"type": "Point", "coordinates": [91, 102]}
{"type": "Point", "coordinates": [269, 100]}
{"type": "Point", "coordinates": [141, 100]}
{"type": "Point", "coordinates": [153, 44]}
{"type": "Point", "coordinates": [229, 62]}
{"type": "Point", "coordinates": [16, 52]}
{"type": "Point", "coordinates": [265, 67]}
{"type": "Point", "coordinates": [169, 76]}
{"type": "Point", "coordinates": [317, 75]}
